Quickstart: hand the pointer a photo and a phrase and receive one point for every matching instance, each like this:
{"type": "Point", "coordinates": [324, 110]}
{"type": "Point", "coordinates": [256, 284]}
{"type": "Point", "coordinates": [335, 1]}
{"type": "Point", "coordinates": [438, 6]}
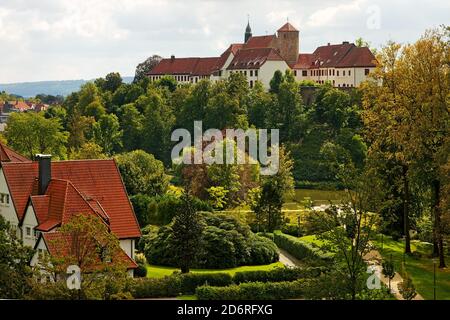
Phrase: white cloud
{"type": "Point", "coordinates": [66, 39]}
{"type": "Point", "coordinates": [332, 15]}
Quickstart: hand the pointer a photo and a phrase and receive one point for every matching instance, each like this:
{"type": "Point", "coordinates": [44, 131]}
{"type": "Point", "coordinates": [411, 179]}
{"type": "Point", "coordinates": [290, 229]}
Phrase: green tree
{"type": "Point", "coordinates": [14, 264]}
{"type": "Point", "coordinates": [145, 67]}
{"type": "Point", "coordinates": [157, 124]}
{"type": "Point", "coordinates": [107, 133]}
{"type": "Point", "coordinates": [89, 150]}
{"type": "Point", "coordinates": [131, 123]}
{"type": "Point", "coordinates": [31, 133]}
{"type": "Point", "coordinates": [187, 232]}
{"type": "Point", "coordinates": [142, 173]}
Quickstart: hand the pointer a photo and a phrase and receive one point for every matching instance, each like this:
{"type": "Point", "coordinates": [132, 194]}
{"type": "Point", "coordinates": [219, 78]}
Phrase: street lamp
{"type": "Point", "coordinates": [434, 278]}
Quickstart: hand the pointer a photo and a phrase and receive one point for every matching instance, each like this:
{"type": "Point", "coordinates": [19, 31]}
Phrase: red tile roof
{"type": "Point", "coordinates": [232, 49]}
{"type": "Point", "coordinates": [185, 66]}
{"type": "Point", "coordinates": [254, 58]}
{"type": "Point", "coordinates": [61, 245]}
{"type": "Point", "coordinates": [343, 55]}
{"type": "Point", "coordinates": [287, 27]}
{"type": "Point", "coordinates": [358, 57]}
{"type": "Point", "coordinates": [9, 155]}
{"type": "Point", "coordinates": [205, 66]}
{"type": "Point", "coordinates": [259, 42]}
{"type": "Point", "coordinates": [304, 61]}
{"type": "Point", "coordinates": [91, 180]}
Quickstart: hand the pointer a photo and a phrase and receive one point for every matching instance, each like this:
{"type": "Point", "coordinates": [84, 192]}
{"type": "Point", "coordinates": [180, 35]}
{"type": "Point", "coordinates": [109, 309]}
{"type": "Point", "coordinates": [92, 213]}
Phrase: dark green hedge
{"type": "Point", "coordinates": [177, 284]}
{"type": "Point", "coordinates": [254, 291]}
{"type": "Point", "coordinates": [298, 248]}
{"type": "Point", "coordinates": [277, 275]}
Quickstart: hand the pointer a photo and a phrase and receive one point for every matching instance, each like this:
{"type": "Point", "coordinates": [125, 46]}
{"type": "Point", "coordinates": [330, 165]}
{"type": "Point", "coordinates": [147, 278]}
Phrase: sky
{"type": "Point", "coordinates": [85, 39]}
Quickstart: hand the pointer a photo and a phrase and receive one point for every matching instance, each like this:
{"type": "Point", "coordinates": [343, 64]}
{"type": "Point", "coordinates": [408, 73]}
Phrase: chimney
{"type": "Point", "coordinates": [45, 171]}
{"type": "Point", "coordinates": [345, 42]}
{"type": "Point", "coordinates": [172, 58]}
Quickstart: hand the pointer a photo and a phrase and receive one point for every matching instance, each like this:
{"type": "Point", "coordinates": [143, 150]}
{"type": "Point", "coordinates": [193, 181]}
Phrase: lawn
{"type": "Point", "coordinates": [419, 268]}
{"type": "Point", "coordinates": [160, 271]}
{"type": "Point", "coordinates": [312, 239]}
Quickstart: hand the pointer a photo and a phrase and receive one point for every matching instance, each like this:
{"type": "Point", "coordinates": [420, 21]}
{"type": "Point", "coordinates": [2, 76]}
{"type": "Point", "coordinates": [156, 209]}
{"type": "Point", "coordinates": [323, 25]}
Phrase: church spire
{"type": "Point", "coordinates": [248, 30]}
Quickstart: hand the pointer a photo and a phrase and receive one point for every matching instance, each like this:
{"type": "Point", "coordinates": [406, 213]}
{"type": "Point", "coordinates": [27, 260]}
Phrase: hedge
{"type": "Point", "coordinates": [182, 284]}
{"type": "Point", "coordinates": [177, 284]}
{"type": "Point", "coordinates": [254, 291]}
{"type": "Point", "coordinates": [298, 248]}
{"type": "Point", "coordinates": [277, 275]}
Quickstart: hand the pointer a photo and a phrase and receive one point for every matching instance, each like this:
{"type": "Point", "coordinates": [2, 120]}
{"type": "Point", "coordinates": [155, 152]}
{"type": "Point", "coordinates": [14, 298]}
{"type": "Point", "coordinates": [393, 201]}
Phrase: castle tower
{"type": "Point", "coordinates": [288, 43]}
{"type": "Point", "coordinates": [248, 32]}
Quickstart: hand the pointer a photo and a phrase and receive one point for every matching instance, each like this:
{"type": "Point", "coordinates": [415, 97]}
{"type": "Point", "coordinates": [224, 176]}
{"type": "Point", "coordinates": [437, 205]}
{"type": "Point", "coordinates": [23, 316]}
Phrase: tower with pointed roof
{"type": "Point", "coordinates": [248, 31]}
{"type": "Point", "coordinates": [288, 43]}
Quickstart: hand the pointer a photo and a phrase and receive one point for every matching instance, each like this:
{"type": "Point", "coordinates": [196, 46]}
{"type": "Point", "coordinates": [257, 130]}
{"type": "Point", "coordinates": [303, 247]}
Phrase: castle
{"type": "Point", "coordinates": [258, 57]}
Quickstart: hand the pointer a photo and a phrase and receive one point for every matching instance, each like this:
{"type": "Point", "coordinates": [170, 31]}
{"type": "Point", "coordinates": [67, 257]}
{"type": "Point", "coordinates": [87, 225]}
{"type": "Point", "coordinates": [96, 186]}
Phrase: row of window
{"type": "Point", "coordinates": [252, 73]}
{"type": "Point", "coordinates": [334, 83]}
{"type": "Point", "coordinates": [328, 72]}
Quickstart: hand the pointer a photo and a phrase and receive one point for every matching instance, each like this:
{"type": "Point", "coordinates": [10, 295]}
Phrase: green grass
{"type": "Point", "coordinates": [187, 297]}
{"type": "Point", "coordinates": [318, 197]}
{"type": "Point", "coordinates": [160, 271]}
{"type": "Point", "coordinates": [420, 268]}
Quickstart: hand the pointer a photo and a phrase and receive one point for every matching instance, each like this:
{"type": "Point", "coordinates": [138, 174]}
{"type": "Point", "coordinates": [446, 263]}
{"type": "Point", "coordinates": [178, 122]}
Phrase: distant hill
{"type": "Point", "coordinates": [54, 88]}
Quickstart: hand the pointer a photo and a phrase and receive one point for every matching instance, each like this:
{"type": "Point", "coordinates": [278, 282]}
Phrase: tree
{"type": "Point", "coordinates": [142, 173]}
{"type": "Point", "coordinates": [22, 130]}
{"type": "Point", "coordinates": [112, 82]}
{"type": "Point", "coordinates": [14, 268]}
{"type": "Point", "coordinates": [131, 123]}
{"type": "Point", "coordinates": [389, 270]}
{"type": "Point", "coordinates": [276, 81]}
{"type": "Point", "coordinates": [157, 124]}
{"type": "Point", "coordinates": [349, 229]}
{"type": "Point", "coordinates": [85, 241]}
{"type": "Point", "coordinates": [187, 231]}
{"type": "Point", "coordinates": [268, 203]}
{"type": "Point", "coordinates": [145, 67]}
{"type": "Point", "coordinates": [89, 150]}
{"type": "Point", "coordinates": [107, 133]}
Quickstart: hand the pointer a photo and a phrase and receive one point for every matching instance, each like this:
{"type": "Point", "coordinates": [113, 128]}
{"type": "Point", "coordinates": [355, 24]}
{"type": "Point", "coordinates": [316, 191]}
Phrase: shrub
{"type": "Point", "coordinates": [276, 275]}
{"type": "Point", "coordinates": [226, 243]}
{"type": "Point", "coordinates": [190, 281]}
{"type": "Point", "coordinates": [299, 249]}
{"type": "Point", "coordinates": [141, 270]}
{"type": "Point", "coordinates": [292, 229]}
{"type": "Point", "coordinates": [177, 284]}
{"type": "Point", "coordinates": [168, 286]}
{"type": "Point", "coordinates": [254, 291]}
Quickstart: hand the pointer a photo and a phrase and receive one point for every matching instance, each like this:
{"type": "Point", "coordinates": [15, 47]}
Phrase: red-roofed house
{"type": "Point", "coordinates": [343, 65]}
{"type": "Point", "coordinates": [258, 58]}
{"type": "Point", "coordinates": [43, 195]}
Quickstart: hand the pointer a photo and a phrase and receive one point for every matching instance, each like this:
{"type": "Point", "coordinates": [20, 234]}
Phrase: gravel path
{"type": "Point", "coordinates": [374, 258]}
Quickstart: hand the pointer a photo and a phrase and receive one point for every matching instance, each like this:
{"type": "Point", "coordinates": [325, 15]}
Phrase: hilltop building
{"type": "Point", "coordinates": [343, 65]}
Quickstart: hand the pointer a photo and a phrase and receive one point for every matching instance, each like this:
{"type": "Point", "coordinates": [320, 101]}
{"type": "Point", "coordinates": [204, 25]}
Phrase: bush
{"type": "Point", "coordinates": [299, 249]}
{"type": "Point", "coordinates": [168, 286]}
{"type": "Point", "coordinates": [254, 291]}
{"type": "Point", "coordinates": [226, 243]}
{"type": "Point", "coordinates": [160, 210]}
{"type": "Point", "coordinates": [292, 229]}
{"type": "Point", "coordinates": [190, 281]}
{"type": "Point", "coordinates": [177, 284]}
{"type": "Point", "coordinates": [276, 275]}
{"type": "Point", "coordinates": [313, 222]}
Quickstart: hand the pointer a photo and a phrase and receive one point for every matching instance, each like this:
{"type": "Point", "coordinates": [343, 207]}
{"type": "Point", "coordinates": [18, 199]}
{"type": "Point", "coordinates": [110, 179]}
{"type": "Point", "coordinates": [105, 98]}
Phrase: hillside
{"type": "Point", "coordinates": [31, 89]}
